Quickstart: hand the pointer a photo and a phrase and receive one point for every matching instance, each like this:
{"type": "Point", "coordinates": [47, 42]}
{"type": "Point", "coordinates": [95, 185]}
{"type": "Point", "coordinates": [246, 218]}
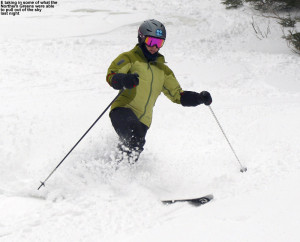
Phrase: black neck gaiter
{"type": "Point", "coordinates": [147, 54]}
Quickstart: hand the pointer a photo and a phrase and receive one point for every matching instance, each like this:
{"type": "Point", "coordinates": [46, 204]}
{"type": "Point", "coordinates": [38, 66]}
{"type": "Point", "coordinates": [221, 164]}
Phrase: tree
{"type": "Point", "coordinates": [280, 10]}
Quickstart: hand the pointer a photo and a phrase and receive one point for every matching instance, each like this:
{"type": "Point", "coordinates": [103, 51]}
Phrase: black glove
{"type": "Point", "coordinates": [192, 99]}
{"type": "Point", "coordinates": [121, 80]}
{"type": "Point", "coordinates": [205, 97]}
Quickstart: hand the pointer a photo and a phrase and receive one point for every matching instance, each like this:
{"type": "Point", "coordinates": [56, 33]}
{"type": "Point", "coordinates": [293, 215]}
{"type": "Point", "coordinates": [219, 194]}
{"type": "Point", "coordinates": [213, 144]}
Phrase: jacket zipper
{"type": "Point", "coordinates": [149, 93]}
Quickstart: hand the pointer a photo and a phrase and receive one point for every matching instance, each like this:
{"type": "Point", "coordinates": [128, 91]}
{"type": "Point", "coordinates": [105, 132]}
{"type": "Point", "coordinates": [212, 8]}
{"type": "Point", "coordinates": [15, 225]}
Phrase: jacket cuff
{"type": "Point", "coordinates": [109, 77]}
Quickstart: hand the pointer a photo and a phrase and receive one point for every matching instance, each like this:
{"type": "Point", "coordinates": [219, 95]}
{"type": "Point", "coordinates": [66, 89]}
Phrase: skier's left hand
{"type": "Point", "coordinates": [205, 97]}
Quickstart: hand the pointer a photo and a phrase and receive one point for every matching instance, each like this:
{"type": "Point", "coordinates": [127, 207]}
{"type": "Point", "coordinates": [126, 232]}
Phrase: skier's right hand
{"type": "Point", "coordinates": [121, 80]}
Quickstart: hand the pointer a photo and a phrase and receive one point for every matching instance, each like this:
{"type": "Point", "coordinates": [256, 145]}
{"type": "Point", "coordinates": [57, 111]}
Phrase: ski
{"type": "Point", "coordinates": [193, 201]}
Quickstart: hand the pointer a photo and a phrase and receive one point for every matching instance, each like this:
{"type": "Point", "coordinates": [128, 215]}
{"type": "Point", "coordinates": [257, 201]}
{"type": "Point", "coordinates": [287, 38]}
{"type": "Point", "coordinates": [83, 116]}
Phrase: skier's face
{"type": "Point", "coordinates": [152, 49]}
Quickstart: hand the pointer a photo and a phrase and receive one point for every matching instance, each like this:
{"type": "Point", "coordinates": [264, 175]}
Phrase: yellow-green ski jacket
{"type": "Point", "coordinates": [154, 78]}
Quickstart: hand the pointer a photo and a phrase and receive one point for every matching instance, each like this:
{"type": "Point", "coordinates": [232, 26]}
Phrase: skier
{"type": "Point", "coordinates": [143, 75]}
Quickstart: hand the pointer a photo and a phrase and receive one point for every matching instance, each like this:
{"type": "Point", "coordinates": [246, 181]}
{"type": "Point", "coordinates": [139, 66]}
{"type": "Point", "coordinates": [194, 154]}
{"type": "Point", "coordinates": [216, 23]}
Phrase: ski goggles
{"type": "Point", "coordinates": [151, 41]}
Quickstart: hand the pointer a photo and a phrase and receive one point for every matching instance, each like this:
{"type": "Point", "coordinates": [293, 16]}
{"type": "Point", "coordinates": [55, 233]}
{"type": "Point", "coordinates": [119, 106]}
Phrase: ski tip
{"type": "Point", "coordinates": [202, 200]}
{"type": "Point", "coordinates": [243, 169]}
{"type": "Point", "coordinates": [193, 201]}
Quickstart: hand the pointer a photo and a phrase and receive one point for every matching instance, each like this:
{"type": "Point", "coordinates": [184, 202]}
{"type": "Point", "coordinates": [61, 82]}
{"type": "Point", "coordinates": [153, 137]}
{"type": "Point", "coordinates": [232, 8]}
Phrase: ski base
{"type": "Point", "coordinates": [193, 201]}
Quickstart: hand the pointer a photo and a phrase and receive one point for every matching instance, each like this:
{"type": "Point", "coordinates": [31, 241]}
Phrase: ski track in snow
{"type": "Point", "coordinates": [52, 88]}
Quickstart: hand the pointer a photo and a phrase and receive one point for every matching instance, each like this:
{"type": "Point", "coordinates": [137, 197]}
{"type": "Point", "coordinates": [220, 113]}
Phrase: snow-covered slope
{"type": "Point", "coordinates": [52, 88]}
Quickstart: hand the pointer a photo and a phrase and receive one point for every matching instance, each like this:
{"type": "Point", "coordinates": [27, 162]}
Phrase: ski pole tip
{"type": "Point", "coordinates": [42, 184]}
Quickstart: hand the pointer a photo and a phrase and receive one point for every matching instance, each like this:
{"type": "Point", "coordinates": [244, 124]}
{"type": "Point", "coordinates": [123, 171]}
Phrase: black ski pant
{"type": "Point", "coordinates": [130, 130]}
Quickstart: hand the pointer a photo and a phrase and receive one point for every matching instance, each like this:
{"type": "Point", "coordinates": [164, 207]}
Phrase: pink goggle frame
{"type": "Point", "coordinates": [151, 41]}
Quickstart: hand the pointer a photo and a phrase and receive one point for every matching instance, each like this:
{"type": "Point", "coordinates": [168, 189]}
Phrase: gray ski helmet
{"type": "Point", "coordinates": [152, 28]}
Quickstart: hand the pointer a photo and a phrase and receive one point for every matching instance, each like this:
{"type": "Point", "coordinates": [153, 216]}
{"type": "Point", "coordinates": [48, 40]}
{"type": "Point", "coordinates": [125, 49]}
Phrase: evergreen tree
{"type": "Point", "coordinates": [274, 7]}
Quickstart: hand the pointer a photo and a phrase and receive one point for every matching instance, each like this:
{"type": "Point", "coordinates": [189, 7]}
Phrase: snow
{"type": "Point", "coordinates": [52, 88]}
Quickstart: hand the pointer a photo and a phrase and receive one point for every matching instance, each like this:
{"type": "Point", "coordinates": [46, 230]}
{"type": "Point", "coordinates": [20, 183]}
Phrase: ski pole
{"type": "Point", "coordinates": [242, 168]}
{"type": "Point", "coordinates": [43, 183]}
